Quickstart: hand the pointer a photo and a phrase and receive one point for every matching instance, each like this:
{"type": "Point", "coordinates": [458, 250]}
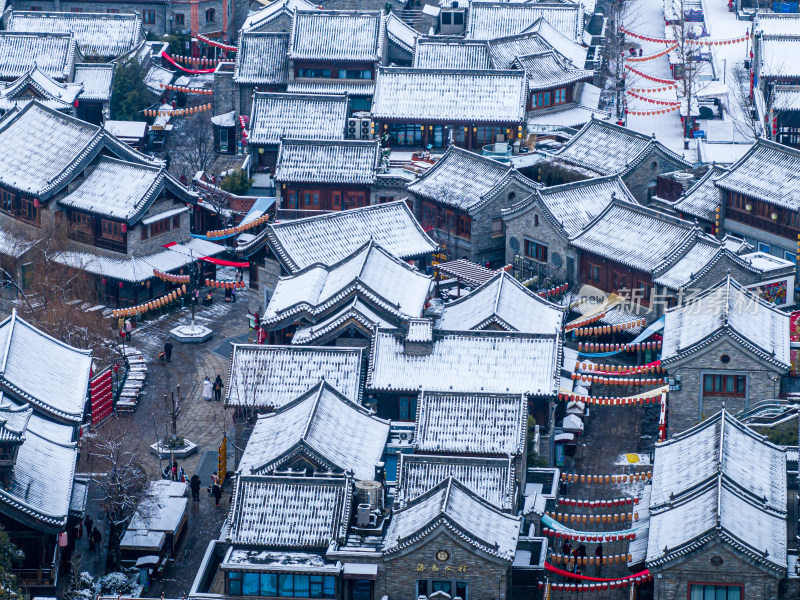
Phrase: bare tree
{"type": "Point", "coordinates": [194, 146]}
{"type": "Point", "coordinates": [621, 15]}
{"type": "Point", "coordinates": [743, 107]}
{"type": "Point", "coordinates": [122, 482]}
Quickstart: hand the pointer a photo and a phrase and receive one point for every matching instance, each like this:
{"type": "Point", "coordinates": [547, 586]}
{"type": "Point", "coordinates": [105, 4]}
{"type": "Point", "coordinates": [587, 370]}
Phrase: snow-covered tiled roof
{"type": "Point", "coordinates": [768, 171]}
{"type": "Point", "coordinates": [436, 95]}
{"type": "Point", "coordinates": [786, 97]}
{"type": "Point", "coordinates": [274, 10]}
{"type": "Point", "coordinates": [138, 268]}
{"type": "Point", "coordinates": [399, 32]}
{"type": "Point", "coordinates": [705, 485]}
{"type": "Point", "coordinates": [606, 148]}
{"type": "Point", "coordinates": [634, 235]}
{"type": "Point", "coordinates": [118, 189]}
{"type": "Point", "coordinates": [702, 199]}
{"type": "Point", "coordinates": [261, 59]}
{"type": "Point", "coordinates": [37, 83]}
{"type": "Point", "coordinates": [343, 35]}
{"type": "Point", "coordinates": [327, 239]}
{"type": "Point", "coordinates": [771, 23]}
{"type": "Point", "coordinates": [275, 116]}
{"type": "Point", "coordinates": [771, 53]}
{"type": "Point", "coordinates": [502, 302]}
{"type": "Point", "coordinates": [356, 312]}
{"type": "Point", "coordinates": [13, 420]}
{"type": "Point", "coordinates": [489, 362]}
{"type": "Point", "coordinates": [97, 79]}
{"type": "Point", "coordinates": [727, 308]}
{"type": "Point", "coordinates": [351, 87]}
{"type": "Point", "coordinates": [572, 206]}
{"type": "Point", "coordinates": [41, 487]}
{"type": "Point", "coordinates": [272, 376]}
{"type": "Point", "coordinates": [504, 51]}
{"type": "Point", "coordinates": [54, 54]}
{"type": "Point", "coordinates": [99, 35]}
{"type": "Point", "coordinates": [420, 330]}
{"type": "Point", "coordinates": [42, 371]}
{"type": "Point", "coordinates": [314, 160]}
{"type": "Point", "coordinates": [387, 283]}
{"type": "Point", "coordinates": [288, 512]}
{"type": "Point", "coordinates": [455, 507]}
{"type": "Point", "coordinates": [477, 424]}
{"type": "Point", "coordinates": [306, 424]}
{"type": "Point", "coordinates": [432, 53]}
{"type": "Point", "coordinates": [490, 478]}
{"type": "Point", "coordinates": [156, 78]}
{"type": "Point", "coordinates": [464, 179]}
{"type": "Point", "coordinates": [547, 70]}
{"type": "Point", "coordinates": [681, 273]}
{"type": "Point", "coordinates": [488, 20]}
{"type": "Point", "coordinates": [570, 48]}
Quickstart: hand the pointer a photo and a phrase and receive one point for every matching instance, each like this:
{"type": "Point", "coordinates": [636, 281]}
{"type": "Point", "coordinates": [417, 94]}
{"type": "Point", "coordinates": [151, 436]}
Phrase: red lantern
{"type": "Point", "coordinates": [120, 284]}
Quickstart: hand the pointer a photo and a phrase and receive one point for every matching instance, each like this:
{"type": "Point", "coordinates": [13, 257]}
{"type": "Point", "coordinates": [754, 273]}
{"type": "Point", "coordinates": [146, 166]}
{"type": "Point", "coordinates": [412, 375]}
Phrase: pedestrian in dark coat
{"type": "Point", "coordinates": [218, 385]}
{"type": "Point", "coordinates": [89, 522]}
{"type": "Point", "coordinates": [96, 538]}
{"type": "Point", "coordinates": [216, 490]}
{"type": "Point", "coordinates": [195, 483]}
{"type": "Point", "coordinates": [168, 351]}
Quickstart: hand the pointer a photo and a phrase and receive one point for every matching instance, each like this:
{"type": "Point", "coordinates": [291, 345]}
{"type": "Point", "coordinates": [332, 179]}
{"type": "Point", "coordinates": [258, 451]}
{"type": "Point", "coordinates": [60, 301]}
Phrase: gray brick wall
{"type": "Point", "coordinates": [487, 579]}
{"type": "Point", "coordinates": [688, 406]}
{"type": "Point", "coordinates": [652, 165]}
{"type": "Point", "coordinates": [672, 580]}
{"type": "Point", "coordinates": [486, 247]}
{"type": "Point", "coordinates": [225, 95]}
{"type": "Point", "coordinates": [523, 226]}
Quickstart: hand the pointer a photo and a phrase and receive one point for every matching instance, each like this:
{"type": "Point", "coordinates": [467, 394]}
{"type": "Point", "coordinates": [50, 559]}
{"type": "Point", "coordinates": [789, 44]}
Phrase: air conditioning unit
{"type": "Point", "coordinates": [366, 129]}
{"type": "Point", "coordinates": [353, 128]}
{"type": "Point", "coordinates": [363, 513]}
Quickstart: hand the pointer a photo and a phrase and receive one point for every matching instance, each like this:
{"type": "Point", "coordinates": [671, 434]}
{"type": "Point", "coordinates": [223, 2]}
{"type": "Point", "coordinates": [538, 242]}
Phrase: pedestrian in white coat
{"type": "Point", "coordinates": [208, 389]}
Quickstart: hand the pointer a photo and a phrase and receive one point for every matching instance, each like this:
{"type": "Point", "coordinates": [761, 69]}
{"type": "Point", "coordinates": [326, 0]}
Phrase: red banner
{"type": "Point", "coordinates": [102, 394]}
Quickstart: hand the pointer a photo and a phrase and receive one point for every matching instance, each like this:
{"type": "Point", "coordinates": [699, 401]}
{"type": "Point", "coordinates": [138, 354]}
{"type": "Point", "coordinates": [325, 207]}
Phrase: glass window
{"type": "Point", "coordinates": [461, 589]}
{"type": "Point", "coordinates": [235, 584]}
{"type": "Point", "coordinates": [323, 73]}
{"type": "Point", "coordinates": [301, 586]}
{"type": "Point", "coordinates": [179, 19]}
{"type": "Point", "coordinates": [269, 584]}
{"type": "Point", "coordinates": [442, 586]}
{"type": "Point", "coordinates": [315, 586]}
{"type": "Point", "coordinates": [790, 256]}
{"type": "Point", "coordinates": [446, 18]}
{"type": "Point", "coordinates": [405, 134]}
{"type": "Point", "coordinates": [210, 15]}
{"type": "Point", "coordinates": [724, 385]}
{"type": "Point", "coordinates": [250, 584]}
{"type": "Point", "coordinates": [329, 586]}
{"type": "Point", "coordinates": [285, 585]}
{"type": "Point", "coordinates": [149, 17]}
{"type": "Point", "coordinates": [715, 592]}
{"type": "Point", "coordinates": [316, 198]}
{"type": "Point", "coordinates": [536, 250]}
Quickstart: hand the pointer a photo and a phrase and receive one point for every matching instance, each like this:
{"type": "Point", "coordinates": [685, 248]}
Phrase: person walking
{"type": "Point", "coordinates": [95, 539]}
{"type": "Point", "coordinates": [218, 385]}
{"type": "Point", "coordinates": [208, 389]}
{"type": "Point", "coordinates": [168, 351]}
{"type": "Point", "coordinates": [233, 294]}
{"type": "Point", "coordinates": [598, 560]}
{"type": "Point", "coordinates": [216, 490]}
{"type": "Point", "coordinates": [194, 484]}
{"type": "Point", "coordinates": [175, 470]}
{"type": "Point", "coordinates": [89, 523]}
{"type": "Point", "coordinates": [128, 329]}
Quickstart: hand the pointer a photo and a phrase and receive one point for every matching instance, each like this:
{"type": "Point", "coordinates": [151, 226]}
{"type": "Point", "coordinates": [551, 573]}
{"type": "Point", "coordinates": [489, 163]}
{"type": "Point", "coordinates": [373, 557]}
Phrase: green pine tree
{"type": "Point", "coordinates": [129, 94]}
{"type": "Point", "coordinates": [10, 556]}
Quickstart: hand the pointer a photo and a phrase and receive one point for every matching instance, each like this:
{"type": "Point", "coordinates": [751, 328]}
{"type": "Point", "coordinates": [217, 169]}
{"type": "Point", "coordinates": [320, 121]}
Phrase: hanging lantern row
{"type": "Point", "coordinates": [611, 401]}
{"type": "Point", "coordinates": [606, 329]}
{"type": "Point", "coordinates": [555, 291]}
{"type": "Point", "coordinates": [650, 113]}
{"type": "Point", "coordinates": [196, 61]}
{"type": "Point", "coordinates": [604, 347]}
{"type": "Point", "coordinates": [178, 112]}
{"type": "Point", "coordinates": [148, 306]}
{"type": "Point", "coordinates": [619, 370]}
{"type": "Point", "coordinates": [596, 587]}
{"type": "Point", "coordinates": [611, 559]}
{"type": "Point", "coordinates": [650, 77]}
{"type": "Point", "coordinates": [584, 478]}
{"type": "Point", "coordinates": [590, 378]}
{"type": "Point", "coordinates": [594, 537]}
{"type": "Point", "coordinates": [210, 42]}
{"type": "Point", "coordinates": [654, 40]}
{"type": "Point", "coordinates": [655, 90]}
{"type": "Point", "coordinates": [238, 229]}
{"type": "Point", "coordinates": [187, 90]}
{"type": "Point", "coordinates": [639, 59]}
{"type": "Point", "coordinates": [224, 285]}
{"type": "Point", "coordinates": [170, 277]}
{"type": "Point", "coordinates": [592, 519]}
{"type": "Point", "coordinates": [653, 100]}
{"type": "Point", "coordinates": [584, 322]}
{"type": "Point", "coordinates": [598, 503]}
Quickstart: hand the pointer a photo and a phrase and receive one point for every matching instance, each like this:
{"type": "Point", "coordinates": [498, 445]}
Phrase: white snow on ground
{"type": "Point", "coordinates": [647, 17]}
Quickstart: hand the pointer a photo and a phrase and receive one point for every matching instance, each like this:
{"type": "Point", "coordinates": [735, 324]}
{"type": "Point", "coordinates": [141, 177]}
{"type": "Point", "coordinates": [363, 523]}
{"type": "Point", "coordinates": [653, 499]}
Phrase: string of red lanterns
{"type": "Point", "coordinates": [650, 77]}
{"type": "Point", "coordinates": [639, 59]}
{"type": "Point", "coordinates": [605, 347]}
{"type": "Point", "coordinates": [182, 68]}
{"type": "Point", "coordinates": [597, 585]}
{"type": "Point", "coordinates": [177, 112]}
{"type": "Point", "coordinates": [151, 305]}
{"type": "Point", "coordinates": [186, 90]}
{"type": "Point", "coordinates": [211, 42]}
{"type": "Point", "coordinates": [653, 100]}
{"type": "Point", "coordinates": [665, 88]}
{"type": "Point", "coordinates": [616, 370]}
{"type": "Point", "coordinates": [592, 519]}
{"type": "Point", "coordinates": [611, 400]}
{"type": "Point", "coordinates": [593, 378]}
{"type": "Point", "coordinates": [606, 479]}
{"type": "Point", "coordinates": [170, 277]}
{"type": "Point", "coordinates": [606, 329]}
{"type": "Point", "coordinates": [224, 285]}
{"type": "Point", "coordinates": [649, 113]}
{"type": "Point", "coordinates": [584, 322]}
{"type": "Point", "coordinates": [238, 229]}
{"type": "Point", "coordinates": [698, 41]}
{"type": "Point", "coordinates": [611, 559]}
{"type": "Point", "coordinates": [594, 537]}
{"type": "Point", "coordinates": [197, 61]}
{"type": "Point", "coordinates": [555, 291]}
{"type": "Point", "coordinates": [594, 504]}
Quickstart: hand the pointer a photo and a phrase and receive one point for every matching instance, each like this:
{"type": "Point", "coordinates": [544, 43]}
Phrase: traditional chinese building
{"type": "Point", "coordinates": [460, 199]}
{"type": "Point", "coordinates": [488, 20]}
{"type": "Point", "coordinates": [725, 347]}
{"type": "Point", "coordinates": [53, 54]}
